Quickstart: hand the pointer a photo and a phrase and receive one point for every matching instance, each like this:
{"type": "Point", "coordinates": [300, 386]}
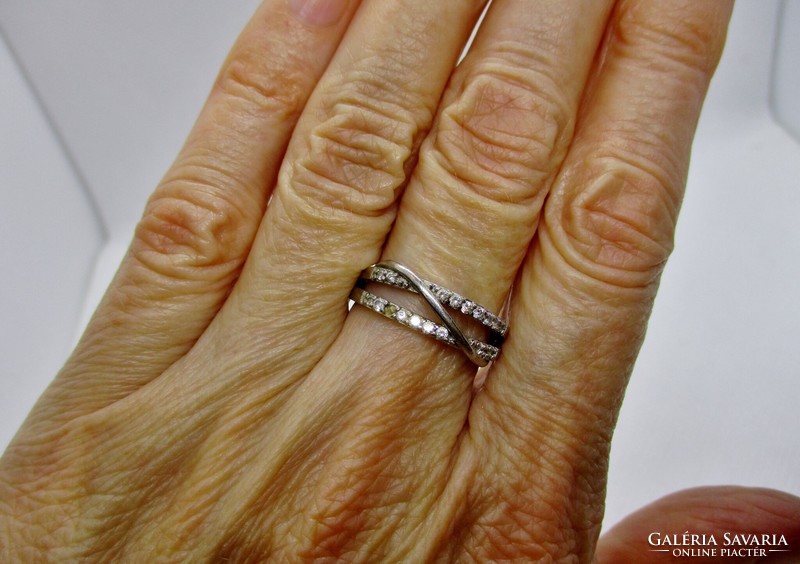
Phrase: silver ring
{"type": "Point", "coordinates": [439, 298]}
{"type": "Point", "coordinates": [449, 298]}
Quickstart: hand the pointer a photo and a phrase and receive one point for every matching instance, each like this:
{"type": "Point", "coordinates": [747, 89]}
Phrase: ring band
{"type": "Point", "coordinates": [485, 351]}
{"type": "Point", "coordinates": [439, 298]}
{"type": "Point", "coordinates": [449, 298]}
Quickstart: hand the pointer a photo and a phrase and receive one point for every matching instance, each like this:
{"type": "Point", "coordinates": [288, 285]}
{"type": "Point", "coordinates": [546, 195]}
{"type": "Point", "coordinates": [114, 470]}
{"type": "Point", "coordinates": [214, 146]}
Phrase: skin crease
{"type": "Point", "coordinates": [224, 405]}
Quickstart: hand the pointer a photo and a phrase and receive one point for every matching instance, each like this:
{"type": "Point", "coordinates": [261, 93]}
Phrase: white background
{"type": "Point", "coordinates": [96, 97]}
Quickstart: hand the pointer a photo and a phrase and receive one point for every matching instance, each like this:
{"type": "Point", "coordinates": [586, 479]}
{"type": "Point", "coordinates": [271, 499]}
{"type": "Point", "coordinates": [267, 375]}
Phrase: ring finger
{"type": "Point", "coordinates": [465, 221]}
{"type": "Point", "coordinates": [472, 205]}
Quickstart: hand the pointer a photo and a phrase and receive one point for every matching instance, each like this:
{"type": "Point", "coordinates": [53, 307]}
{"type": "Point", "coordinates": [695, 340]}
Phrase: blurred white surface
{"type": "Point", "coordinates": [123, 82]}
{"type": "Point", "coordinates": [714, 395]}
{"type": "Point", "coordinates": [49, 236]}
{"type": "Point", "coordinates": [786, 76]}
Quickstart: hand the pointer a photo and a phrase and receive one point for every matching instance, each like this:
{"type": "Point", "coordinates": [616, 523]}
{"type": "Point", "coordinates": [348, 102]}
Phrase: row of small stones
{"type": "Point", "coordinates": [485, 351]}
{"type": "Point", "coordinates": [445, 296]}
{"type": "Point", "coordinates": [406, 317]}
{"type": "Point", "coordinates": [393, 311]}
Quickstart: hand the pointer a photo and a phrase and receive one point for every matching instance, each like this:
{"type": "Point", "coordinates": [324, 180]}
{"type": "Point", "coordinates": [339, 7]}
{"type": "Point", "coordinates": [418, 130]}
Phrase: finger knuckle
{"type": "Point", "coordinates": [275, 85]}
{"type": "Point", "coordinates": [502, 137]}
{"type": "Point", "coordinates": [356, 158]}
{"type": "Point", "coordinates": [690, 38]}
{"type": "Point", "coordinates": [190, 229]}
{"type": "Point", "coordinates": [619, 227]}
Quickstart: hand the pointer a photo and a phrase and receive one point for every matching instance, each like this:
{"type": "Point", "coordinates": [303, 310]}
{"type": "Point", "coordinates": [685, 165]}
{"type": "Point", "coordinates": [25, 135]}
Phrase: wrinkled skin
{"type": "Point", "coordinates": [223, 403]}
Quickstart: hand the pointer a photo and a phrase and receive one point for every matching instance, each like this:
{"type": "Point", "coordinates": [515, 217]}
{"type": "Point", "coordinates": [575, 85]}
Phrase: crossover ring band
{"type": "Point", "coordinates": [449, 298]}
{"type": "Point", "coordinates": [439, 298]}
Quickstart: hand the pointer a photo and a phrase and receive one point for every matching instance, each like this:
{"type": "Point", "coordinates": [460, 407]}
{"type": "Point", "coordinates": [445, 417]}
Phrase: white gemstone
{"type": "Point", "coordinates": [429, 327]}
{"type": "Point", "coordinates": [416, 321]}
{"type": "Point", "coordinates": [467, 307]}
{"type": "Point", "coordinates": [455, 301]}
{"type": "Point", "coordinates": [401, 316]}
{"type": "Point", "coordinates": [379, 305]}
{"type": "Point", "coordinates": [442, 333]}
{"type": "Point", "coordinates": [440, 293]}
{"type": "Point", "coordinates": [478, 313]}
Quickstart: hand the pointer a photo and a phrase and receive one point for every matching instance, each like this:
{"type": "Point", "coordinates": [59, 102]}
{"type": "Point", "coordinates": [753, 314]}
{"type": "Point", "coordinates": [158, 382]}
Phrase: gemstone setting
{"type": "Point", "coordinates": [446, 297]}
{"type": "Point", "coordinates": [398, 276]}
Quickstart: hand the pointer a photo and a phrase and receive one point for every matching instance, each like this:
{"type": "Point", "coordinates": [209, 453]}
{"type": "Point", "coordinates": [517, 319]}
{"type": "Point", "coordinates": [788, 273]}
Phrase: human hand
{"type": "Point", "coordinates": [204, 417]}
